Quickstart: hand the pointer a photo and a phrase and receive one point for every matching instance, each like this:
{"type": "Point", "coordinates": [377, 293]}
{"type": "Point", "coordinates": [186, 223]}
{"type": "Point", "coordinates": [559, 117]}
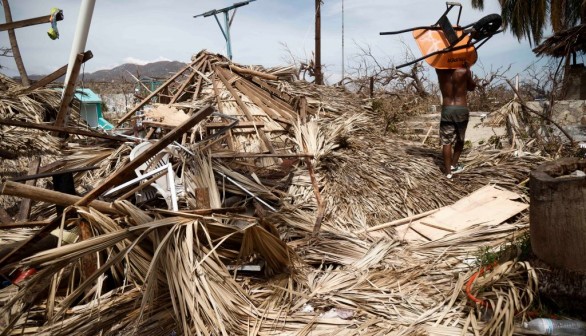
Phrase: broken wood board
{"type": "Point", "coordinates": [488, 205]}
{"type": "Point", "coordinates": [166, 115]}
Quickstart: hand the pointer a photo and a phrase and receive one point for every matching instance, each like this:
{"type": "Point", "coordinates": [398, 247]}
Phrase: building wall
{"type": "Point", "coordinates": [576, 82]}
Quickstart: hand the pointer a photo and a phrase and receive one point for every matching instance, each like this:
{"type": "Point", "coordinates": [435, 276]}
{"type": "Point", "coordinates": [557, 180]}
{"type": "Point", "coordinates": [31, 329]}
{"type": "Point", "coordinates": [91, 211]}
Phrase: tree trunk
{"type": "Point", "coordinates": [558, 214]}
{"type": "Point", "coordinates": [13, 43]}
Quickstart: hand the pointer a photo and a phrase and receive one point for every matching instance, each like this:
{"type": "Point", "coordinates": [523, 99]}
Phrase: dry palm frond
{"type": "Point", "coordinates": [36, 106]}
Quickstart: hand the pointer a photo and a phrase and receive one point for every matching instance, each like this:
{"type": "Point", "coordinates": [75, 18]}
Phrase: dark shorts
{"type": "Point", "coordinates": [453, 124]}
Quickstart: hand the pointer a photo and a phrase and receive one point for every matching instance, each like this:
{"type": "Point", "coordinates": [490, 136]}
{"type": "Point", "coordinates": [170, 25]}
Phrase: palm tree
{"type": "Point", "coordinates": [529, 18]}
{"type": "Point", "coordinates": [15, 50]}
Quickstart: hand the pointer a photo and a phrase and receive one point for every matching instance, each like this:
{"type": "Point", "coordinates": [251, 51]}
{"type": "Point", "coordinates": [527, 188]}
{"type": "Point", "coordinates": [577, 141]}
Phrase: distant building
{"type": "Point", "coordinates": [146, 85]}
{"type": "Point", "coordinates": [91, 109]}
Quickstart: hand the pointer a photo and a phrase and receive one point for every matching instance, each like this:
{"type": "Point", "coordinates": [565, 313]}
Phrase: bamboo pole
{"type": "Point", "coordinates": [397, 222]}
{"type": "Point", "coordinates": [49, 196]}
{"type": "Point", "coordinates": [71, 130]}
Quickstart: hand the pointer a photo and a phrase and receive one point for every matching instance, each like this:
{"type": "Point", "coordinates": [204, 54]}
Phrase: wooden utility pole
{"type": "Point", "coordinates": [319, 77]}
{"type": "Point", "coordinates": [14, 45]}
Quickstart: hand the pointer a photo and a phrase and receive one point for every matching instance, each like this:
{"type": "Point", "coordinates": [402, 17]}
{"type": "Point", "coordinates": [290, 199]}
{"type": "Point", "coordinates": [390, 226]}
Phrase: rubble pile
{"type": "Point", "coordinates": [237, 200]}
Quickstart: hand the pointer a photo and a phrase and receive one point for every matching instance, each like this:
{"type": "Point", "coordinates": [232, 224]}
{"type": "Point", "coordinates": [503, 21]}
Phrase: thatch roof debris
{"type": "Point", "coordinates": [245, 196]}
{"type": "Point", "coordinates": [564, 43]}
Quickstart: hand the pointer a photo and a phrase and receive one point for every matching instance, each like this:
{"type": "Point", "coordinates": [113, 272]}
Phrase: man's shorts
{"type": "Point", "coordinates": [453, 124]}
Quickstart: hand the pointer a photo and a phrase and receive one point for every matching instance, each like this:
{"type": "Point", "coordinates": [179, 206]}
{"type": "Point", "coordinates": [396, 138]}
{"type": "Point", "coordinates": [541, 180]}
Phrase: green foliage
{"type": "Point", "coordinates": [517, 247]}
{"type": "Point", "coordinates": [529, 19]}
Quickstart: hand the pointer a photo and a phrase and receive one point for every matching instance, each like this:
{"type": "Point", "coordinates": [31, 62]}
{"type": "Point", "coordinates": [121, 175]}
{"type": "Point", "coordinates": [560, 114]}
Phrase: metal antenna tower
{"type": "Point", "coordinates": [227, 21]}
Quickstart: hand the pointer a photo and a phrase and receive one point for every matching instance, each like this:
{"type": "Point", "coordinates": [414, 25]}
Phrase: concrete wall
{"type": "Point", "coordinates": [575, 82]}
{"type": "Point", "coordinates": [566, 112]}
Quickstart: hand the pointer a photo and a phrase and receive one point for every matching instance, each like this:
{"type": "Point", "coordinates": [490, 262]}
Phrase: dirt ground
{"type": "Point", "coordinates": [477, 132]}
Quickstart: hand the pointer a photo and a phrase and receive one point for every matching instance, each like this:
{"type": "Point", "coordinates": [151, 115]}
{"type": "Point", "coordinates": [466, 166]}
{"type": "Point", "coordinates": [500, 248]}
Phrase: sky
{"type": "Point", "coordinates": [265, 32]}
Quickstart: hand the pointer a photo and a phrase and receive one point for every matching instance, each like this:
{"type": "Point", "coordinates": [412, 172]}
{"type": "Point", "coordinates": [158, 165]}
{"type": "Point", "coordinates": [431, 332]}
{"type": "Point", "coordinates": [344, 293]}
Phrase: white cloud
{"type": "Point", "coordinates": [134, 60]}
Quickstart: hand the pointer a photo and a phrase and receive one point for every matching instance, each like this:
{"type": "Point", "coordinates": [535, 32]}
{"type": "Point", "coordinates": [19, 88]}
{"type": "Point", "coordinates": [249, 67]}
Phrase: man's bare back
{"type": "Point", "coordinates": [454, 84]}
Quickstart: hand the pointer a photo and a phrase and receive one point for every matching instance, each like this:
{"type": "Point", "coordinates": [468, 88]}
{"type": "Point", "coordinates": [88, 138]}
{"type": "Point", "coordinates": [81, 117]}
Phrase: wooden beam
{"type": "Point", "coordinates": [253, 72]}
{"type": "Point", "coordinates": [259, 155]}
{"type": "Point", "coordinates": [51, 174]}
{"type": "Point", "coordinates": [180, 90]}
{"type": "Point", "coordinates": [25, 205]}
{"type": "Point", "coordinates": [260, 132]}
{"type": "Point", "coordinates": [154, 93]}
{"type": "Point", "coordinates": [241, 124]}
{"type": "Point", "coordinates": [123, 173]}
{"type": "Point", "coordinates": [56, 74]}
{"type": "Point", "coordinates": [50, 196]}
{"type": "Point", "coordinates": [19, 225]}
{"type": "Point", "coordinates": [63, 113]}
{"type": "Point", "coordinates": [70, 130]}
{"type": "Point", "coordinates": [27, 22]}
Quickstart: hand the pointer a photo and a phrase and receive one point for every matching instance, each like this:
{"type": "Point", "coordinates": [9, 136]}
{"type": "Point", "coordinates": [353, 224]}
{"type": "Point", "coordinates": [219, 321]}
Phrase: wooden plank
{"type": "Point", "coordinates": [56, 74]}
{"type": "Point", "coordinates": [154, 93]}
{"type": "Point", "coordinates": [487, 206]}
{"type": "Point", "coordinates": [25, 205]}
{"type": "Point", "coordinates": [63, 113]}
{"type": "Point", "coordinates": [70, 130]}
{"type": "Point", "coordinates": [27, 22]}
{"type": "Point", "coordinates": [121, 174]}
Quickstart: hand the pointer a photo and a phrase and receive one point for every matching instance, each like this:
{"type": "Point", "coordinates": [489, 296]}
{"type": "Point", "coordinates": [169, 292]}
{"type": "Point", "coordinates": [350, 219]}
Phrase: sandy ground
{"type": "Point", "coordinates": [477, 132]}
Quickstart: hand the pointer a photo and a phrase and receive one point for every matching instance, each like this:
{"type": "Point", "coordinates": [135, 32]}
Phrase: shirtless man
{"type": "Point", "coordinates": [454, 84]}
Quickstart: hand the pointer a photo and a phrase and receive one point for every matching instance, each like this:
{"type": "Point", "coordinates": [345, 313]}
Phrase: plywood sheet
{"type": "Point", "coordinates": [488, 205]}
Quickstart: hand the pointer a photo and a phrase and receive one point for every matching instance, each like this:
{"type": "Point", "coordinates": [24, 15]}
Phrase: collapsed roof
{"type": "Point", "coordinates": [259, 216]}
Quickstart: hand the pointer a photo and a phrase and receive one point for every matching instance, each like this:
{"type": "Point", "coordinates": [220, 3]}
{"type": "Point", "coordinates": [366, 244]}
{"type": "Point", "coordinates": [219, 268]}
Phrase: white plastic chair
{"type": "Point", "coordinates": [164, 185]}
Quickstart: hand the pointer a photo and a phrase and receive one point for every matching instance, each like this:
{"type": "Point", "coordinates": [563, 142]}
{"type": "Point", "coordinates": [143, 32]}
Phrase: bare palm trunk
{"type": "Point", "coordinates": [14, 45]}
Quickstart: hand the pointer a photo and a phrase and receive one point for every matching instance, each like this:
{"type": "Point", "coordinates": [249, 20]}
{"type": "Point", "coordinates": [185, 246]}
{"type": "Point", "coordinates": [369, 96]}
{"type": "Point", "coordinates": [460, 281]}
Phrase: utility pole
{"type": "Point", "coordinates": [319, 77]}
{"type": "Point", "coordinates": [225, 28]}
{"type": "Point", "coordinates": [343, 69]}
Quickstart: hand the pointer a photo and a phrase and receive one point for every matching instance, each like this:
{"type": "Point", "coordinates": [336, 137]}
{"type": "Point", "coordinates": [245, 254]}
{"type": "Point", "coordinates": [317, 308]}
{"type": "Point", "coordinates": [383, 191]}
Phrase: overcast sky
{"type": "Point", "coordinates": [147, 30]}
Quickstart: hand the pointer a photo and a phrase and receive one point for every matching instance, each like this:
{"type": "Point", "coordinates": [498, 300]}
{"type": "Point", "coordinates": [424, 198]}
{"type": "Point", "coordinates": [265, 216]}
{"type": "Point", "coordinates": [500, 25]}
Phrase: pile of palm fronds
{"type": "Point", "coordinates": [244, 261]}
{"type": "Point", "coordinates": [36, 106]}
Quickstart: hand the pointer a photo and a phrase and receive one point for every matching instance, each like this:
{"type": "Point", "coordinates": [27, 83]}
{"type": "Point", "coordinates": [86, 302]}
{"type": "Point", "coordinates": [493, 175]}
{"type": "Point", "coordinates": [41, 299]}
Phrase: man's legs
{"type": "Point", "coordinates": [447, 153]}
{"type": "Point", "coordinates": [458, 148]}
{"type": "Point", "coordinates": [459, 145]}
